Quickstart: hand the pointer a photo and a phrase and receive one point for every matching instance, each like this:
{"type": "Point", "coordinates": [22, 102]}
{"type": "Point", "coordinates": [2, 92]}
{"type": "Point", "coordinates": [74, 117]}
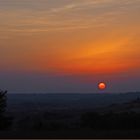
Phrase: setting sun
{"type": "Point", "coordinates": [101, 86]}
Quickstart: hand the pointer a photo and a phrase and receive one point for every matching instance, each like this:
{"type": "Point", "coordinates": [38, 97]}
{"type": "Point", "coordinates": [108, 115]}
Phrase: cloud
{"type": "Point", "coordinates": [47, 16]}
{"type": "Point", "coordinates": [82, 4]}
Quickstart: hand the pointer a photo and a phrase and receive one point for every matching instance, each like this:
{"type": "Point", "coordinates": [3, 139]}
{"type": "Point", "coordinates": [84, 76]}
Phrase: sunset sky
{"type": "Point", "coordinates": [68, 46]}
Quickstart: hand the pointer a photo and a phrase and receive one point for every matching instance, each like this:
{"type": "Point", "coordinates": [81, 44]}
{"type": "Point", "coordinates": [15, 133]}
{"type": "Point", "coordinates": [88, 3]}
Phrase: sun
{"type": "Point", "coordinates": [101, 85]}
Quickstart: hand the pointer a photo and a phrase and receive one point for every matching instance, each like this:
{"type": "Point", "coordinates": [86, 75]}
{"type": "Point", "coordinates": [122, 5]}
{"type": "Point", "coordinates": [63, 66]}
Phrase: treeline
{"type": "Point", "coordinates": [90, 120]}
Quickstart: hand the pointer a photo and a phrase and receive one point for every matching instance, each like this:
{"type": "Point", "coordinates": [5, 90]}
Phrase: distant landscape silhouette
{"type": "Point", "coordinates": [60, 116]}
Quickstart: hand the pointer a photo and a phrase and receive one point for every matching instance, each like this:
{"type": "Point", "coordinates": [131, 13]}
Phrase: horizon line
{"type": "Point", "coordinates": [100, 93]}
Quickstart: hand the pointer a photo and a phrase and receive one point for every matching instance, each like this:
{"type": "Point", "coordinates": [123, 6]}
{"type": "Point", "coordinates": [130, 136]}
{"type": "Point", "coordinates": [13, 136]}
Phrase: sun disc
{"type": "Point", "coordinates": [101, 85]}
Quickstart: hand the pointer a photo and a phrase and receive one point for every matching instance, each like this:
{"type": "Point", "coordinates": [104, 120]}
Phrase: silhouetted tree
{"type": "Point", "coordinates": [5, 121]}
{"type": "Point", "coordinates": [3, 102]}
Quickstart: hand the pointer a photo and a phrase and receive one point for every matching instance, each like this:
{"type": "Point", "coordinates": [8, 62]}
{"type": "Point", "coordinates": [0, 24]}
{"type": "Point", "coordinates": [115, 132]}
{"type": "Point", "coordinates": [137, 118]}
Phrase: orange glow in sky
{"type": "Point", "coordinates": [70, 37]}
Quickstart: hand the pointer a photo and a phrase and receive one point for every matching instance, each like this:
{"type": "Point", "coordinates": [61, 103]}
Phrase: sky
{"type": "Point", "coordinates": [69, 46]}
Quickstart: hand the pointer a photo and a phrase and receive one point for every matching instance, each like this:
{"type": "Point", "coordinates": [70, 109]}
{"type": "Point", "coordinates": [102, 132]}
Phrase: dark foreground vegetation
{"type": "Point", "coordinates": [109, 122]}
{"type": "Point", "coordinates": [5, 121]}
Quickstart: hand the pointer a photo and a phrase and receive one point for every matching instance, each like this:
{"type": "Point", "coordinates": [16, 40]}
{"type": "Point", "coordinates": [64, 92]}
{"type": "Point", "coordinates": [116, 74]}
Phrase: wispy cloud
{"type": "Point", "coordinates": [79, 5]}
{"type": "Point", "coordinates": [32, 16]}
